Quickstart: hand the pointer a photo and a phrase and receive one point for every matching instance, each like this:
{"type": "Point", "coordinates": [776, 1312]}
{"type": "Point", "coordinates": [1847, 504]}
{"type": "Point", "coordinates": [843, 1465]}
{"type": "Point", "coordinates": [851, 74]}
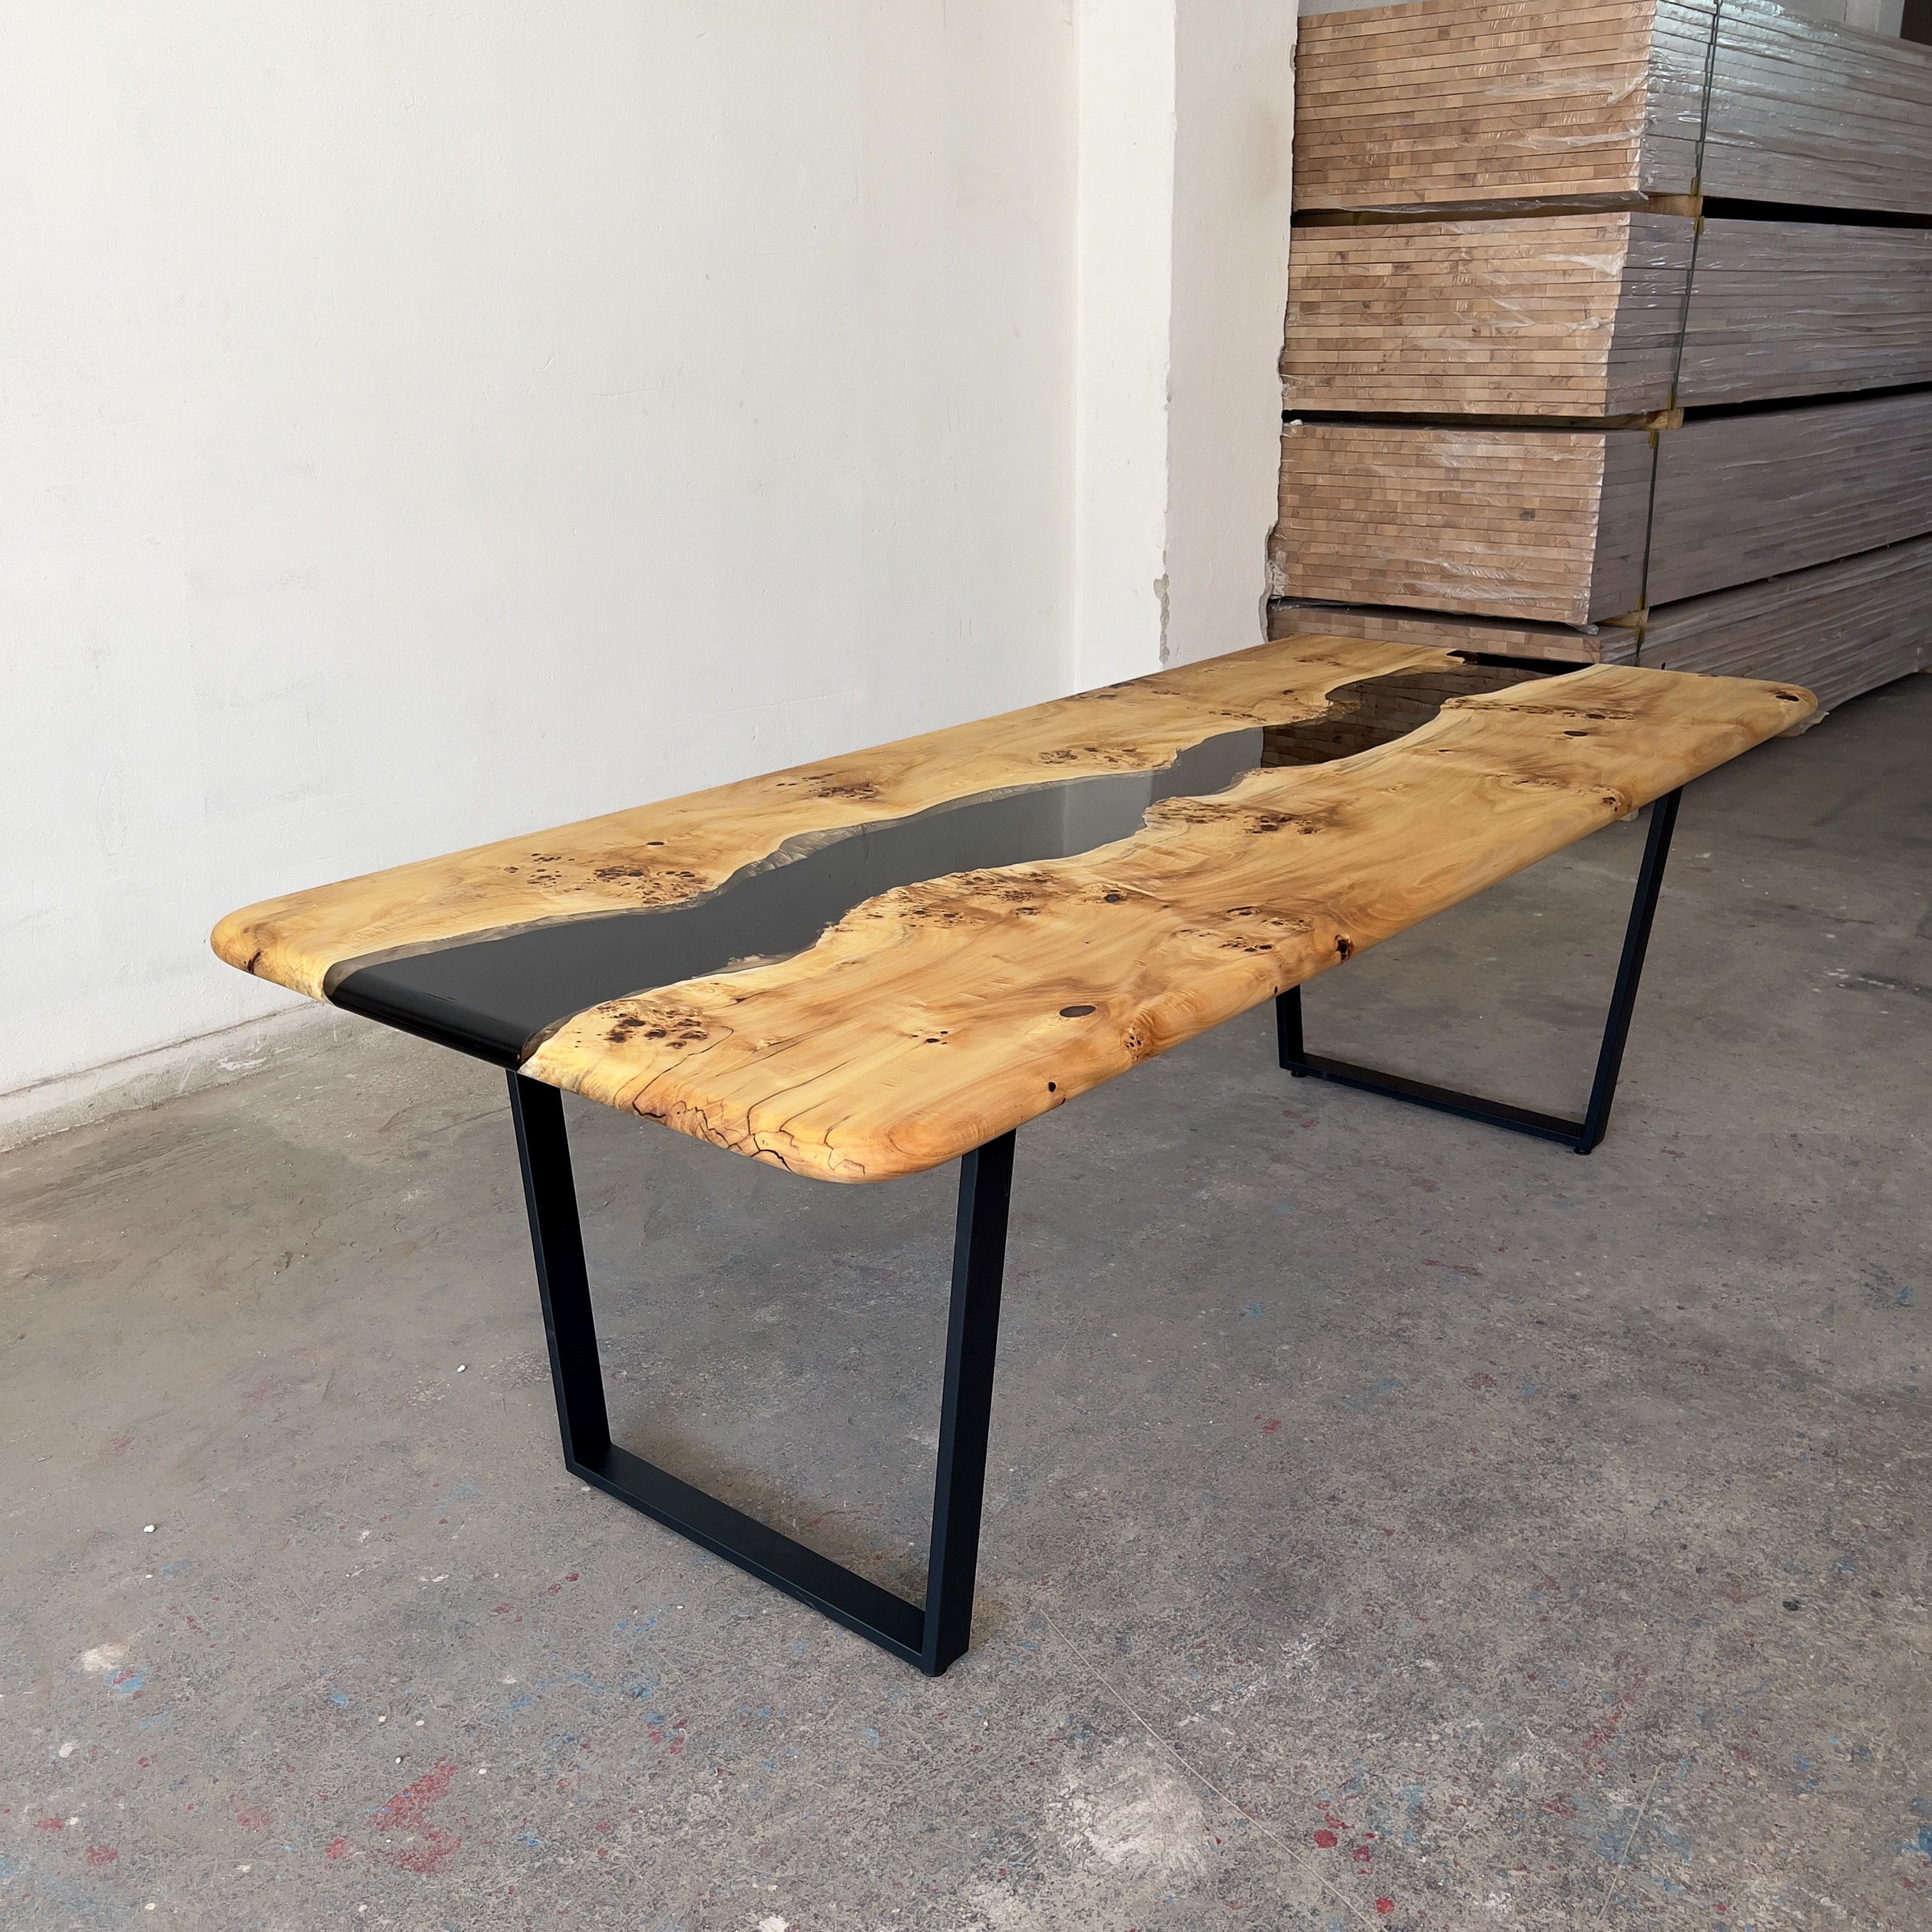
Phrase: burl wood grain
{"type": "Point", "coordinates": [937, 1016]}
{"type": "Point", "coordinates": [658, 854]}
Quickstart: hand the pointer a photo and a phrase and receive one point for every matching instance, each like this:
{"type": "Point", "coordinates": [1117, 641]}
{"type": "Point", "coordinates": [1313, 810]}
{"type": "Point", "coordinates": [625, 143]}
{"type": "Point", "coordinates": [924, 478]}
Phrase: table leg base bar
{"type": "Point", "coordinates": [931, 1637]}
{"type": "Point", "coordinates": [1580, 1136]}
{"type": "Point", "coordinates": [773, 1557]}
{"type": "Point", "coordinates": [1445, 1099]}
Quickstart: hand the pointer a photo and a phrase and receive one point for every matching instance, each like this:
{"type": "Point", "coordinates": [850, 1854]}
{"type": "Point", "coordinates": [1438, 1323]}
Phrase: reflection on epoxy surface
{"type": "Point", "coordinates": [496, 997]}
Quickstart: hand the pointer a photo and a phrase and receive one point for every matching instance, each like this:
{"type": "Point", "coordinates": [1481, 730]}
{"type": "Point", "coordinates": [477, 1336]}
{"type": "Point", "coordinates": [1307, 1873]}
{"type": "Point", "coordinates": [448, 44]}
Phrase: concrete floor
{"type": "Point", "coordinates": [1391, 1522]}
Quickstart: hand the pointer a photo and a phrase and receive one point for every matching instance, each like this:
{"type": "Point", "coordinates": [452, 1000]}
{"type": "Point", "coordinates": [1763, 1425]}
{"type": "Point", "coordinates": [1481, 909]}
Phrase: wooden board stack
{"type": "Point", "coordinates": [1511, 280]}
{"type": "Point", "coordinates": [1579, 315]}
{"type": "Point", "coordinates": [1842, 628]}
{"type": "Point", "coordinates": [1440, 102]}
{"type": "Point", "coordinates": [1558, 646]}
{"type": "Point", "coordinates": [1549, 525]}
{"type": "Point", "coordinates": [1838, 628]}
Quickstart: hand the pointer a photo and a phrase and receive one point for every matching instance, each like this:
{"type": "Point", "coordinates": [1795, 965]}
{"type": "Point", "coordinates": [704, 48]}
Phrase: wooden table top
{"type": "Point", "coordinates": [860, 968]}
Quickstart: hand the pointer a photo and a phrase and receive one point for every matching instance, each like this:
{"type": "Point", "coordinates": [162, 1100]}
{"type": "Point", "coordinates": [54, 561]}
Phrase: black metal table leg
{"type": "Point", "coordinates": [930, 1637]}
{"type": "Point", "coordinates": [1630, 969]}
{"type": "Point", "coordinates": [966, 1406]}
{"type": "Point", "coordinates": [1580, 1135]}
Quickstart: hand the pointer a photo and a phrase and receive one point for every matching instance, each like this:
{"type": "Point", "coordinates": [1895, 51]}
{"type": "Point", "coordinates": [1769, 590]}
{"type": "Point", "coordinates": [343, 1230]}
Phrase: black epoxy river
{"type": "Point", "coordinates": [496, 997]}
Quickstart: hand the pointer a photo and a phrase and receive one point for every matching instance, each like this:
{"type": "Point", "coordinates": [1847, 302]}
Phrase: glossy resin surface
{"type": "Point", "coordinates": [864, 968]}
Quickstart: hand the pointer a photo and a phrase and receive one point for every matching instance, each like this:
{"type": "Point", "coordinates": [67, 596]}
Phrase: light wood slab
{"type": "Point", "coordinates": [936, 1017]}
{"type": "Point", "coordinates": [659, 854]}
{"type": "Point", "coordinates": [940, 1016]}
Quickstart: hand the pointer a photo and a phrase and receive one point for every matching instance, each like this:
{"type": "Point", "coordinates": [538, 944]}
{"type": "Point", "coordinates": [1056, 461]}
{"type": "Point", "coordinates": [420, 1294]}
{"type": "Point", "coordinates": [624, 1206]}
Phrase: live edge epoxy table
{"type": "Point", "coordinates": [859, 969]}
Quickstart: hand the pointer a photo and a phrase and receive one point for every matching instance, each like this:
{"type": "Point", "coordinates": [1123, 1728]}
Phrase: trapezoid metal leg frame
{"type": "Point", "coordinates": [931, 1637]}
{"type": "Point", "coordinates": [1582, 1135]}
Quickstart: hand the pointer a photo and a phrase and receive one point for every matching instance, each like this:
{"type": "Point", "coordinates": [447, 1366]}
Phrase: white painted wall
{"type": "Point", "coordinates": [1124, 272]}
{"type": "Point", "coordinates": [1186, 130]}
{"type": "Point", "coordinates": [1235, 92]}
{"type": "Point", "coordinates": [423, 420]}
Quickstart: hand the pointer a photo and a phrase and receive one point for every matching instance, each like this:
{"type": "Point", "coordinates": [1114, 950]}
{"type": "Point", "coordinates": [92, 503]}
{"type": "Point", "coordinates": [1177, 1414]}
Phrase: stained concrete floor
{"type": "Point", "coordinates": [1392, 1523]}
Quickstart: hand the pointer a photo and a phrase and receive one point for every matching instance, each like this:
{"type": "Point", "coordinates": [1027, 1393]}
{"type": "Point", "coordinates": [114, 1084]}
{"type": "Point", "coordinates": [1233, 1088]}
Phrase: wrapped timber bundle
{"type": "Point", "coordinates": [1600, 103]}
{"type": "Point", "coordinates": [1570, 281]}
{"type": "Point", "coordinates": [1570, 315]}
{"type": "Point", "coordinates": [1838, 628]}
{"type": "Point", "coordinates": [1568, 526]}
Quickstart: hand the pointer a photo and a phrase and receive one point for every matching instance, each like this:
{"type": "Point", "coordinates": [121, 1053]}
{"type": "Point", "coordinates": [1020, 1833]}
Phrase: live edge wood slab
{"type": "Point", "coordinates": [926, 1020]}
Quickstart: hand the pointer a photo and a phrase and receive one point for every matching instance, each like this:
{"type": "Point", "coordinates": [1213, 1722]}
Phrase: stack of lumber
{"type": "Point", "coordinates": [1579, 315]}
{"type": "Point", "coordinates": [1550, 524]}
{"type": "Point", "coordinates": [1557, 644]}
{"type": "Point", "coordinates": [1600, 102]}
{"type": "Point", "coordinates": [1838, 628]}
{"type": "Point", "coordinates": [1601, 313]}
{"type": "Point", "coordinates": [1842, 628]}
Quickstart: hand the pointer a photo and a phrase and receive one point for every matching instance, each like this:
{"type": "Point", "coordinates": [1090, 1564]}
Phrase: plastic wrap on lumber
{"type": "Point", "coordinates": [1741, 496]}
{"type": "Point", "coordinates": [1542, 524]}
{"type": "Point", "coordinates": [1838, 629]}
{"type": "Point", "coordinates": [1805, 111]}
{"type": "Point", "coordinates": [1517, 317]}
{"type": "Point", "coordinates": [1549, 524]}
{"type": "Point", "coordinates": [1572, 316]}
{"type": "Point", "coordinates": [1439, 102]}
